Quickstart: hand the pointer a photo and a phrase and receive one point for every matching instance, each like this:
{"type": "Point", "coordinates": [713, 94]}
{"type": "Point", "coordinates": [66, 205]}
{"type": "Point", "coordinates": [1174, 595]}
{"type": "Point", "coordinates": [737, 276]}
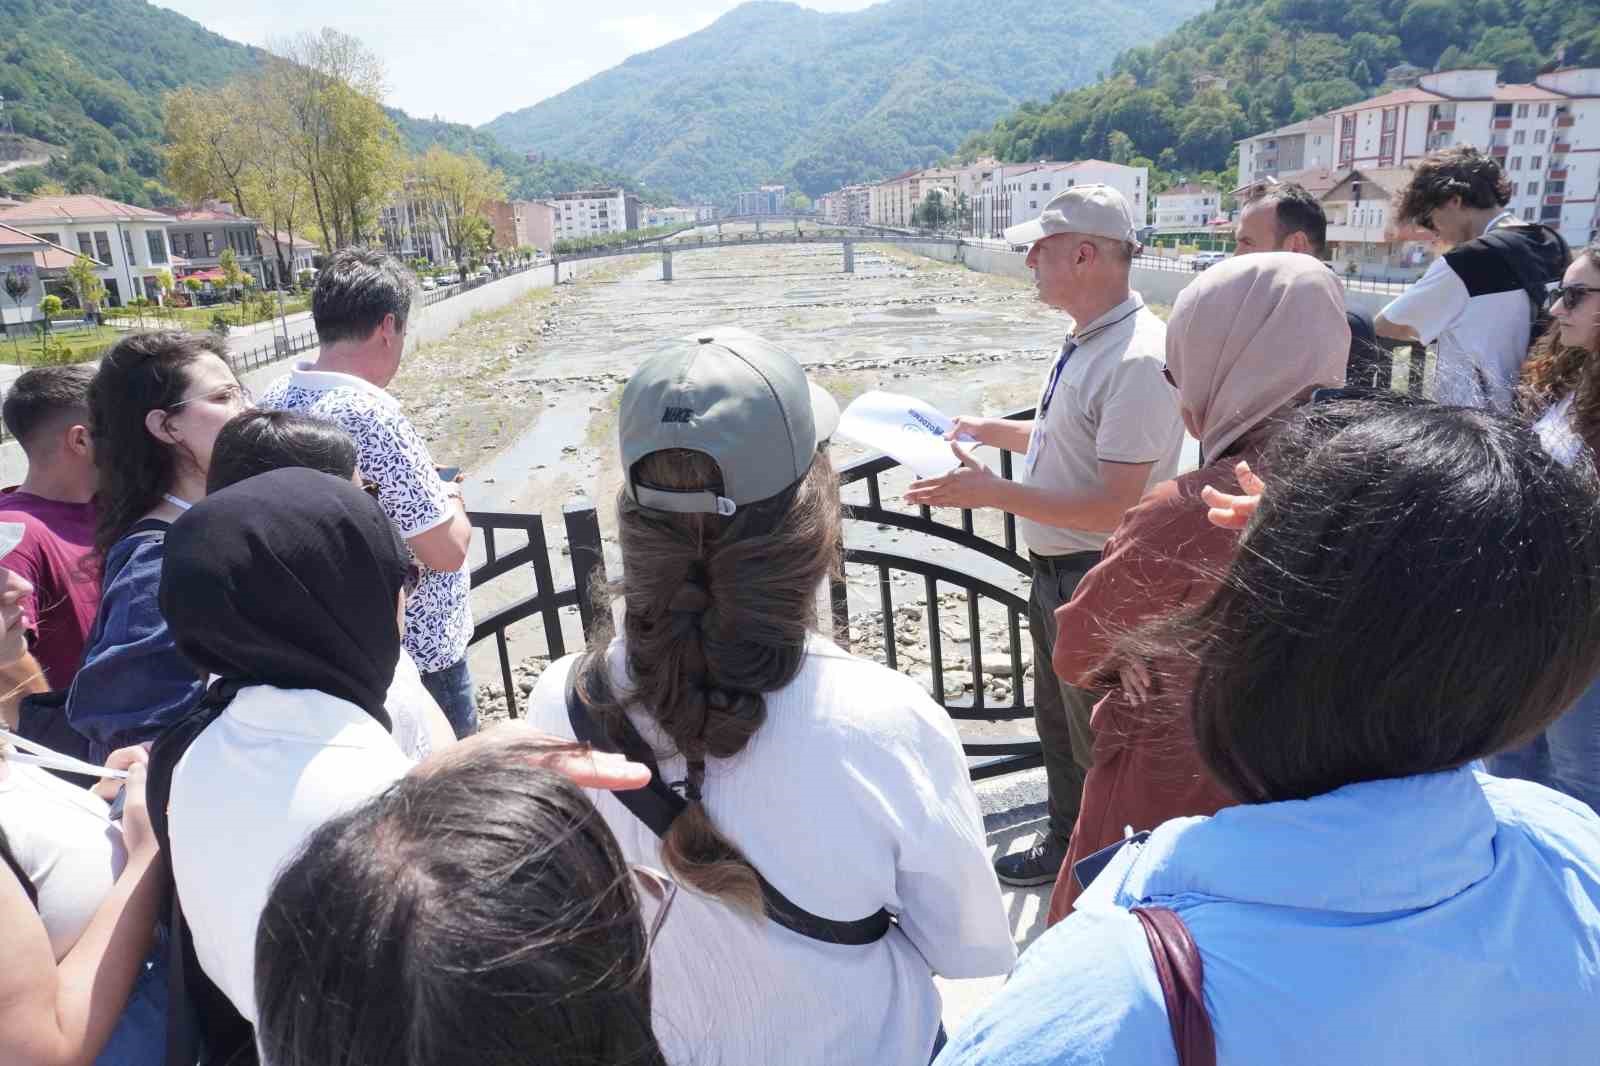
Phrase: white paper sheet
{"type": "Point", "coordinates": [903, 427]}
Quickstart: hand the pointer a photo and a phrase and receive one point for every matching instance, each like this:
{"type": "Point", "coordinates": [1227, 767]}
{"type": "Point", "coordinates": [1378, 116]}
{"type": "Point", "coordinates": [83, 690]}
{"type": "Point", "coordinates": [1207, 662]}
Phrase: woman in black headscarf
{"type": "Point", "coordinates": [286, 588]}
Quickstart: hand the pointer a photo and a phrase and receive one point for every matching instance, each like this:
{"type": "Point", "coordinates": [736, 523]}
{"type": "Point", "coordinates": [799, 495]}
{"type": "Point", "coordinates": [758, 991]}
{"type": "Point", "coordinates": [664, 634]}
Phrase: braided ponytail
{"type": "Point", "coordinates": [717, 611]}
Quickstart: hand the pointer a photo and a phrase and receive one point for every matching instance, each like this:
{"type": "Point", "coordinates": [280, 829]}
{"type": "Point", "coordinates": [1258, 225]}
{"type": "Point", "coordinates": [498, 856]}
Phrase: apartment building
{"type": "Point", "coordinates": [1546, 136]}
{"type": "Point", "coordinates": [200, 236]}
{"type": "Point", "coordinates": [766, 200]}
{"type": "Point", "coordinates": [1187, 206]}
{"type": "Point", "coordinates": [1017, 192]}
{"type": "Point", "coordinates": [409, 230]}
{"type": "Point", "coordinates": [128, 244]}
{"type": "Point", "coordinates": [36, 262]}
{"type": "Point", "coordinates": [589, 213]}
{"type": "Point", "coordinates": [1297, 147]}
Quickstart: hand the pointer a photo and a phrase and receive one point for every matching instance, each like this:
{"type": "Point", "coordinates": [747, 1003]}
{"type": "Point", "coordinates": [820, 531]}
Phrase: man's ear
{"type": "Point", "coordinates": [78, 439]}
{"type": "Point", "coordinates": [1297, 242]}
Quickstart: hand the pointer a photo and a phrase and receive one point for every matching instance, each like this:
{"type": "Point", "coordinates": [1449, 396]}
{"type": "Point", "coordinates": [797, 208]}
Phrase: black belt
{"type": "Point", "coordinates": [1051, 563]}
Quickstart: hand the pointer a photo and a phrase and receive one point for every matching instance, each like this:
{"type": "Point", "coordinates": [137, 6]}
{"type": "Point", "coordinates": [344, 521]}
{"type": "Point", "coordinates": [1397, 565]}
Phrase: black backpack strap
{"type": "Point", "coordinates": [203, 1026]}
{"type": "Point", "coordinates": [657, 805]}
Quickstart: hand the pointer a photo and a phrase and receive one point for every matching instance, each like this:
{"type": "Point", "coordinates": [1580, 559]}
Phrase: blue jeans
{"type": "Point", "coordinates": [451, 689]}
{"type": "Point", "coordinates": [140, 1038]}
{"type": "Point", "coordinates": [1566, 756]}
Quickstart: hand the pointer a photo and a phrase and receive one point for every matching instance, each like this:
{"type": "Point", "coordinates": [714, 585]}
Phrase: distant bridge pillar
{"type": "Point", "coordinates": [666, 265]}
{"type": "Point", "coordinates": [758, 226]}
{"type": "Point", "coordinates": [555, 265]}
{"type": "Point", "coordinates": [849, 257]}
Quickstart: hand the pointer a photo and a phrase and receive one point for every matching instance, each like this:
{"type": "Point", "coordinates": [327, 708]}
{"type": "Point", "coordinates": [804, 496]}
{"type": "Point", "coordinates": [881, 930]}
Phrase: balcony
{"type": "Point", "coordinates": [1501, 124]}
{"type": "Point", "coordinates": [1554, 201]}
{"type": "Point", "coordinates": [1557, 174]}
{"type": "Point", "coordinates": [1560, 148]}
{"type": "Point", "coordinates": [1499, 151]}
{"type": "Point", "coordinates": [1566, 122]}
{"type": "Point", "coordinates": [1442, 125]}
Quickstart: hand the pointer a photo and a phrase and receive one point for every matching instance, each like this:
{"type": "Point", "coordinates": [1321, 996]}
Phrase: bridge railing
{"type": "Point", "coordinates": [903, 628]}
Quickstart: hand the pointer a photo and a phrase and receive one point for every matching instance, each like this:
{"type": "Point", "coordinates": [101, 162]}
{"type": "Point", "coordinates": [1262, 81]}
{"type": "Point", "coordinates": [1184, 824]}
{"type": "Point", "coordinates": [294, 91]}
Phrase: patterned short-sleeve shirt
{"type": "Point", "coordinates": [391, 453]}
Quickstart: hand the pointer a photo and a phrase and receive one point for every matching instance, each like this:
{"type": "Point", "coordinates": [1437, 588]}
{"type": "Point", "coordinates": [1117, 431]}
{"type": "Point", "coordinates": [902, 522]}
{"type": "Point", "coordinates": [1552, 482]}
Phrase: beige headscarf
{"type": "Point", "coordinates": [1250, 336]}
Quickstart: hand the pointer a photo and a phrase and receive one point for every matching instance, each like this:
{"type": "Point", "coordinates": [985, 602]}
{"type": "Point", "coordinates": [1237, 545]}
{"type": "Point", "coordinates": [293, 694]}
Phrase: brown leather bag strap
{"type": "Point", "coordinates": [1182, 979]}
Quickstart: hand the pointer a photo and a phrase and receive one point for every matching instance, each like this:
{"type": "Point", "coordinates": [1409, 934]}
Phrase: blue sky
{"type": "Point", "coordinates": [470, 61]}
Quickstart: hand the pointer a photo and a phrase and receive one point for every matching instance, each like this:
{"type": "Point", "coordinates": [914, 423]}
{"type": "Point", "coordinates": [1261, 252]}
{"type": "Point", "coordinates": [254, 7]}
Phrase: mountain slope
{"type": "Point", "coordinates": [774, 90]}
{"type": "Point", "coordinates": [1283, 61]}
{"type": "Point", "coordinates": [89, 76]}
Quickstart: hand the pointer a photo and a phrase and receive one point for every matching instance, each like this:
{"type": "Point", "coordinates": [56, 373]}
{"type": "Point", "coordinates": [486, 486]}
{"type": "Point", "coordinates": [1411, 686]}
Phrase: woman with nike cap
{"type": "Point", "coordinates": [813, 808]}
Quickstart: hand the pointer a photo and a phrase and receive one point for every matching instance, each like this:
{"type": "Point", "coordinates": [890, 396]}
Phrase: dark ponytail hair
{"type": "Point", "coordinates": [1419, 588]}
{"type": "Point", "coordinates": [141, 373]}
{"type": "Point", "coordinates": [717, 611]}
{"type": "Point", "coordinates": [478, 911]}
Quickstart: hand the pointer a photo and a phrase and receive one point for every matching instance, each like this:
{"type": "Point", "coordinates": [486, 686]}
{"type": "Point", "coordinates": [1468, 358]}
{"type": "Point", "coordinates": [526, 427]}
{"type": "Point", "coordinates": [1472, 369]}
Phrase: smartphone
{"type": "Point", "coordinates": [449, 473]}
{"type": "Point", "coordinates": [117, 804]}
{"type": "Point", "coordinates": [1088, 868]}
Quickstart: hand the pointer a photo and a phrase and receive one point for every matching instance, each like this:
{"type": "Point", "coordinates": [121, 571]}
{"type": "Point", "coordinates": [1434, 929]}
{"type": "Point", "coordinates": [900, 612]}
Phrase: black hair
{"type": "Point", "coordinates": [258, 441]}
{"type": "Point", "coordinates": [1419, 588]}
{"type": "Point", "coordinates": [43, 396]}
{"type": "Point", "coordinates": [1297, 211]}
{"type": "Point", "coordinates": [142, 372]}
{"type": "Point", "coordinates": [478, 911]}
{"type": "Point", "coordinates": [355, 291]}
{"type": "Point", "coordinates": [1449, 173]}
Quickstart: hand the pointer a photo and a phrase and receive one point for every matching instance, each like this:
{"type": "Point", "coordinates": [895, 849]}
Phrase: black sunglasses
{"type": "Point", "coordinates": [1570, 296]}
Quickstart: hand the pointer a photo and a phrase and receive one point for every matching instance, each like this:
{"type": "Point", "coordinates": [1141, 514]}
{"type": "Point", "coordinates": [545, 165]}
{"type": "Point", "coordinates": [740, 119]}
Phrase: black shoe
{"type": "Point", "coordinates": [1036, 866]}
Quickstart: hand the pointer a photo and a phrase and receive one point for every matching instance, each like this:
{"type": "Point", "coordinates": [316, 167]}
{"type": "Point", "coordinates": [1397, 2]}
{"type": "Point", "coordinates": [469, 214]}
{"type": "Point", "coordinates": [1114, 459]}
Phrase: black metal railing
{"type": "Point", "coordinates": [987, 758]}
{"type": "Point", "coordinates": [282, 347]}
{"type": "Point", "coordinates": [545, 600]}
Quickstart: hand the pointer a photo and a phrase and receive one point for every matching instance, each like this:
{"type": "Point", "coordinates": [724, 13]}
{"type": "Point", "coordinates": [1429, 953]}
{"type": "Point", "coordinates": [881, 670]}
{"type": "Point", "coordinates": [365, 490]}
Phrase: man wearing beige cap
{"type": "Point", "coordinates": [1105, 429]}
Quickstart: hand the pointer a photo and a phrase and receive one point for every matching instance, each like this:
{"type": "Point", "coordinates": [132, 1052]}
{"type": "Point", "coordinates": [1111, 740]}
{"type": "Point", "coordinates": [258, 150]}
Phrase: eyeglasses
{"type": "Point", "coordinates": [235, 395]}
{"type": "Point", "coordinates": [1570, 296]}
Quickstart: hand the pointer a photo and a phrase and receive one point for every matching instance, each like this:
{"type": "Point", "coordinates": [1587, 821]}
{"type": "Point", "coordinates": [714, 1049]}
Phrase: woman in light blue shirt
{"type": "Point", "coordinates": [1420, 589]}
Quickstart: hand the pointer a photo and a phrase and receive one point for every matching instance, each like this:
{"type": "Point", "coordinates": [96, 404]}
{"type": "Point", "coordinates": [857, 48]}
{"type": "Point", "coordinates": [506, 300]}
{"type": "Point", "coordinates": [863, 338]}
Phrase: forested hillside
{"type": "Point", "coordinates": [1282, 61]}
{"type": "Point", "coordinates": [775, 91]}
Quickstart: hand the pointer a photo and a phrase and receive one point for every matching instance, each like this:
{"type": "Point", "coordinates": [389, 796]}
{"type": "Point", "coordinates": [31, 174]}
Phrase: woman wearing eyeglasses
{"type": "Point", "coordinates": [1561, 392]}
{"type": "Point", "coordinates": [155, 409]}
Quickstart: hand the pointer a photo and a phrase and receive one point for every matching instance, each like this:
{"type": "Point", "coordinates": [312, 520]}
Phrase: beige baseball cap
{"type": "Point", "coordinates": [1093, 210]}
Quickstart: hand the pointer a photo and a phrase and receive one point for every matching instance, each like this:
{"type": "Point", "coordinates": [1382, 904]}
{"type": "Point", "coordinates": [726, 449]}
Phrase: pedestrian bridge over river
{"type": "Point", "coordinates": [846, 237]}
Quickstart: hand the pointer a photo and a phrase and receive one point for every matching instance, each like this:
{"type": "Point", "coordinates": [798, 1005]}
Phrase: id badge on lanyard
{"type": "Point", "coordinates": [1036, 440]}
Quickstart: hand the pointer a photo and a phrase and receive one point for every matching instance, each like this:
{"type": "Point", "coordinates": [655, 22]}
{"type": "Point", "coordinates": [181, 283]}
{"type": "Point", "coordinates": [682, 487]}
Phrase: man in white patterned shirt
{"type": "Point", "coordinates": [360, 305]}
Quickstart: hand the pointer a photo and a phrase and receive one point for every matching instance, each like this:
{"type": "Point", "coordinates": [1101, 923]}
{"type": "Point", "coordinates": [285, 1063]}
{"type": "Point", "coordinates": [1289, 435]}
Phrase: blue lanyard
{"type": "Point", "coordinates": [1067, 349]}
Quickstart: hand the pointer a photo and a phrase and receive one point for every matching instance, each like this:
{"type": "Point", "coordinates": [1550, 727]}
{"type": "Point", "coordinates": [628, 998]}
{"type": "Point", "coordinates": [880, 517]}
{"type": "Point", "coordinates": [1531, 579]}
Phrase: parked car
{"type": "Point", "coordinates": [428, 284]}
{"type": "Point", "coordinates": [1202, 260]}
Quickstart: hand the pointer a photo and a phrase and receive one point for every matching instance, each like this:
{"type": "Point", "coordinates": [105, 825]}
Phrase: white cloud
{"type": "Point", "coordinates": [471, 61]}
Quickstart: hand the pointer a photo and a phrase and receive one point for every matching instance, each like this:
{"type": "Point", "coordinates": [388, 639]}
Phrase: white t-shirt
{"type": "Point", "coordinates": [853, 796]}
{"type": "Point", "coordinates": [1470, 306]}
{"type": "Point", "coordinates": [1110, 403]}
{"type": "Point", "coordinates": [1557, 433]}
{"type": "Point", "coordinates": [274, 767]}
{"type": "Point", "coordinates": [64, 839]}
{"type": "Point", "coordinates": [409, 705]}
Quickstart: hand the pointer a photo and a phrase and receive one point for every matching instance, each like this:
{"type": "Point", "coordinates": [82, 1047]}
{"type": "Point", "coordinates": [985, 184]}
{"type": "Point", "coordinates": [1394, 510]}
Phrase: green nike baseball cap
{"type": "Point", "coordinates": [734, 397]}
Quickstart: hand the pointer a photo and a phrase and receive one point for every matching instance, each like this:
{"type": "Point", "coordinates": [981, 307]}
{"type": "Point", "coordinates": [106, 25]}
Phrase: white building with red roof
{"type": "Point", "coordinates": [128, 244]}
{"type": "Point", "coordinates": [35, 263]}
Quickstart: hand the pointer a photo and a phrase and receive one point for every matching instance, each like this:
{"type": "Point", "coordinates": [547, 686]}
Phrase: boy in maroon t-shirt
{"type": "Point", "coordinates": [47, 411]}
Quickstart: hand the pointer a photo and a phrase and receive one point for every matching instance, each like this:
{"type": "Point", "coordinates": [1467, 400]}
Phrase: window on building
{"type": "Point", "coordinates": [1045, 186]}
{"type": "Point", "coordinates": [1033, 203]}
{"type": "Point", "coordinates": [158, 246]}
{"type": "Point", "coordinates": [188, 244]}
{"type": "Point", "coordinates": [1537, 162]}
{"type": "Point", "coordinates": [1533, 188]}
{"type": "Point", "coordinates": [1519, 137]}
{"type": "Point", "coordinates": [1502, 110]}
{"type": "Point", "coordinates": [53, 238]}
{"type": "Point", "coordinates": [211, 243]}
{"type": "Point", "coordinates": [127, 243]}
{"type": "Point", "coordinates": [1522, 110]}
{"type": "Point", "coordinates": [1550, 214]}
{"type": "Point", "coordinates": [1516, 163]}
{"type": "Point", "coordinates": [1544, 110]}
{"type": "Point", "coordinates": [86, 245]}
{"type": "Point", "coordinates": [1555, 188]}
{"type": "Point", "coordinates": [1527, 214]}
{"type": "Point", "coordinates": [102, 245]}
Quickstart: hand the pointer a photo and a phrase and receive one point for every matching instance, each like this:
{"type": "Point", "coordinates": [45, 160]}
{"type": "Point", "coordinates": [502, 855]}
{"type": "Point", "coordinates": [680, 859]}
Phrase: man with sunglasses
{"type": "Point", "coordinates": [1480, 303]}
{"type": "Point", "coordinates": [1106, 428]}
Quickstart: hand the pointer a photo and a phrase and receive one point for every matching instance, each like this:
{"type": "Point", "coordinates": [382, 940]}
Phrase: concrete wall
{"type": "Point", "coordinates": [1156, 286]}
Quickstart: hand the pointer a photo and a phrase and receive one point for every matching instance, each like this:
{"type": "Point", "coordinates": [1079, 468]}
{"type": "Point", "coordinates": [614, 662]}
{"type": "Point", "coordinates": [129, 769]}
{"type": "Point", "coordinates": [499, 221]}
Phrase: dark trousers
{"type": "Point", "coordinates": [1060, 711]}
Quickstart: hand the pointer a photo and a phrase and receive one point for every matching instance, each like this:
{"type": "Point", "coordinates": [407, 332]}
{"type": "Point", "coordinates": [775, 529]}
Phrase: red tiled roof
{"type": "Point", "coordinates": [206, 214]}
{"type": "Point", "coordinates": [1396, 98]}
{"type": "Point", "coordinates": [46, 256]}
{"type": "Point", "coordinates": [68, 208]}
{"type": "Point", "coordinates": [1190, 189]}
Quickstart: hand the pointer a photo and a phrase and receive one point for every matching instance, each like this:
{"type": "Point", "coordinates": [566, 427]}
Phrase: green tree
{"type": "Point", "coordinates": [1510, 50]}
{"type": "Point", "coordinates": [798, 202]}
{"type": "Point", "coordinates": [1207, 135]}
{"type": "Point", "coordinates": [1121, 147]}
{"type": "Point", "coordinates": [455, 190]}
{"type": "Point", "coordinates": [17, 284]}
{"type": "Point", "coordinates": [49, 307]}
{"type": "Point", "coordinates": [86, 284]}
{"type": "Point", "coordinates": [210, 147]}
{"type": "Point", "coordinates": [1428, 27]}
{"type": "Point", "coordinates": [232, 277]}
